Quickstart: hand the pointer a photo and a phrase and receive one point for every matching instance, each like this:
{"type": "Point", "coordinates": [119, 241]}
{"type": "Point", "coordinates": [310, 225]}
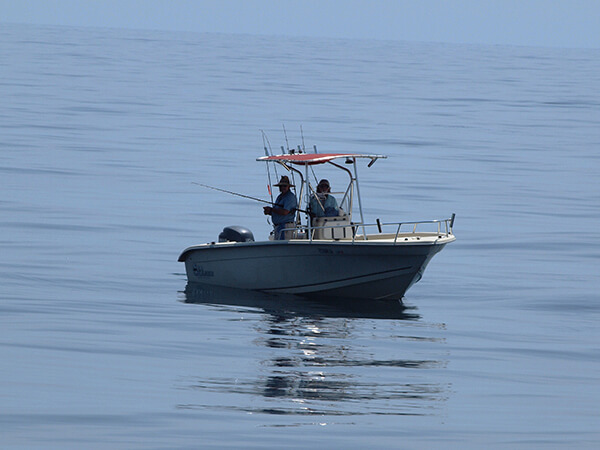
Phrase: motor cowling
{"type": "Point", "coordinates": [236, 233]}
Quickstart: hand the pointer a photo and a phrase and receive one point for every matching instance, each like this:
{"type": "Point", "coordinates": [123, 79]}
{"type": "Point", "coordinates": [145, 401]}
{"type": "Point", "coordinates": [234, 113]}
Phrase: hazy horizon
{"type": "Point", "coordinates": [540, 23]}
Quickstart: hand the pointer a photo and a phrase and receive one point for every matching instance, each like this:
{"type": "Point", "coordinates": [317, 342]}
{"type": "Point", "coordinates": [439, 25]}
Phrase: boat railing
{"type": "Point", "coordinates": [388, 230]}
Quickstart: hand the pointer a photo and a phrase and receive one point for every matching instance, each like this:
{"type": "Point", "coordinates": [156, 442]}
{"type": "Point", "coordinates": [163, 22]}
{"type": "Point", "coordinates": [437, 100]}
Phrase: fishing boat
{"type": "Point", "coordinates": [333, 256]}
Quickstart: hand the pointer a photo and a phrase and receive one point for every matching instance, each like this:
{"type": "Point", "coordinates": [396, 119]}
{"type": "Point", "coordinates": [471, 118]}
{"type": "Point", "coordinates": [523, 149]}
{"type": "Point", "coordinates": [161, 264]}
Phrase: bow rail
{"type": "Point", "coordinates": [396, 231]}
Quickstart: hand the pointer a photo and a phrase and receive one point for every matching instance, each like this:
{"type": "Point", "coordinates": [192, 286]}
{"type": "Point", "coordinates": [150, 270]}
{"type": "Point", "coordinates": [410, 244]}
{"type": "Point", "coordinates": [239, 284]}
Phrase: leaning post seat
{"type": "Point", "coordinates": [336, 227]}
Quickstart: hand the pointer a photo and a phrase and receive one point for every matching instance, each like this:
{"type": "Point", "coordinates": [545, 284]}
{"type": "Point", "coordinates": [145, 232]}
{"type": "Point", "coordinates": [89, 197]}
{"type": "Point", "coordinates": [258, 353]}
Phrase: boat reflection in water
{"type": "Point", "coordinates": [289, 304]}
{"type": "Point", "coordinates": [329, 358]}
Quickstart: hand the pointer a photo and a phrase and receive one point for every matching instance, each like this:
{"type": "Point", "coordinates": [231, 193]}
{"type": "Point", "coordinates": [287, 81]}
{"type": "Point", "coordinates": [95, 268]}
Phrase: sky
{"type": "Point", "coordinates": [547, 23]}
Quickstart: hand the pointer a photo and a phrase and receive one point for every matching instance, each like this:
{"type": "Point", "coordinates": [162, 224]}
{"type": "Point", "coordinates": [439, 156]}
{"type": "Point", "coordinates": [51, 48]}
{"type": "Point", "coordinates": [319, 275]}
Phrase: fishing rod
{"type": "Point", "coordinates": [265, 140]}
{"type": "Point", "coordinates": [233, 193]}
{"type": "Point", "coordinates": [286, 139]}
{"type": "Point", "coordinates": [242, 195]}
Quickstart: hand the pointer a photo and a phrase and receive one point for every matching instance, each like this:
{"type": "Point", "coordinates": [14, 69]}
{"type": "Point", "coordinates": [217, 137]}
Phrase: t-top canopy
{"type": "Point", "coordinates": [315, 158]}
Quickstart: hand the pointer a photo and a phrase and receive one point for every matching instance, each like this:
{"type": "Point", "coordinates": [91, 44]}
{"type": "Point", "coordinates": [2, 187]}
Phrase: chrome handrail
{"type": "Point", "coordinates": [448, 224]}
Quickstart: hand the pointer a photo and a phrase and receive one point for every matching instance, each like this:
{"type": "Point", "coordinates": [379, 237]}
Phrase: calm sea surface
{"type": "Point", "coordinates": [102, 133]}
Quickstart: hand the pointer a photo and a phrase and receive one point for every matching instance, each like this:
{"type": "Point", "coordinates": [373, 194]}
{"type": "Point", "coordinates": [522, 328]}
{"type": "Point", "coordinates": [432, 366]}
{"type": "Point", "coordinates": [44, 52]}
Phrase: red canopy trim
{"type": "Point", "coordinates": [314, 158]}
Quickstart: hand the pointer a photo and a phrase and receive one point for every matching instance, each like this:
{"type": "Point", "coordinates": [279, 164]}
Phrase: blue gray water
{"type": "Point", "coordinates": [102, 133]}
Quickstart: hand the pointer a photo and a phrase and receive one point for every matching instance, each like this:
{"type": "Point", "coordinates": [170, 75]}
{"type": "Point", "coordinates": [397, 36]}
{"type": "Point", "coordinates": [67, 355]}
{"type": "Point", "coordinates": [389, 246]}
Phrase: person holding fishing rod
{"type": "Point", "coordinates": [283, 210]}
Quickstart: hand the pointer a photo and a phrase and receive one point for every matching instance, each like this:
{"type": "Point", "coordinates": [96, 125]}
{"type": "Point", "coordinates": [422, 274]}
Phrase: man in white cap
{"type": "Point", "coordinates": [323, 203]}
{"type": "Point", "coordinates": [283, 211]}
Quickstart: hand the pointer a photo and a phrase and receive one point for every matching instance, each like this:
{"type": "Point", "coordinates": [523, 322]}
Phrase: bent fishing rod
{"type": "Point", "coordinates": [242, 195]}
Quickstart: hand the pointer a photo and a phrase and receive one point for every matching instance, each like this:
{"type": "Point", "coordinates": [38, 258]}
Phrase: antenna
{"type": "Point", "coordinates": [302, 134]}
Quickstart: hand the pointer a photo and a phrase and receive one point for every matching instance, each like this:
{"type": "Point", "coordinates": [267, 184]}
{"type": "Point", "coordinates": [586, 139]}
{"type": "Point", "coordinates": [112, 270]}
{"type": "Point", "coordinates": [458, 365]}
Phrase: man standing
{"type": "Point", "coordinates": [283, 211]}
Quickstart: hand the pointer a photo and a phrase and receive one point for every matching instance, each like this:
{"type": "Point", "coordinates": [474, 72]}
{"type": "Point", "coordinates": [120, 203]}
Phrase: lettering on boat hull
{"type": "Point", "coordinates": [200, 272]}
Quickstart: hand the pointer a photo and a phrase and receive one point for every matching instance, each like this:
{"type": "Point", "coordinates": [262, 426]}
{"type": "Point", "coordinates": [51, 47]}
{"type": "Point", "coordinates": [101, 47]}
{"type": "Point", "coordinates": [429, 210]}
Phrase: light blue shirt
{"type": "Point", "coordinates": [329, 206]}
{"type": "Point", "coordinates": [285, 201]}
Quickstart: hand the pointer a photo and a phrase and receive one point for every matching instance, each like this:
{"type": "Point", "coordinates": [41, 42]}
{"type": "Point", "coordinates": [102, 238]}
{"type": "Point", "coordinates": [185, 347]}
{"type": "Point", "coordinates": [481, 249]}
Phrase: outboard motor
{"type": "Point", "coordinates": [236, 234]}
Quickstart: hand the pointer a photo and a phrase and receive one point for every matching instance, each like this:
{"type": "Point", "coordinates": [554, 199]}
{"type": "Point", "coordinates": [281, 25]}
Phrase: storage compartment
{"type": "Point", "coordinates": [338, 227]}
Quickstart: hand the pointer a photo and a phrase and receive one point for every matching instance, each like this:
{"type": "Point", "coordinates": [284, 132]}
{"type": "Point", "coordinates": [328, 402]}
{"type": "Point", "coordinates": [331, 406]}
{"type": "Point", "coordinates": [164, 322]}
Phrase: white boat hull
{"type": "Point", "coordinates": [348, 269]}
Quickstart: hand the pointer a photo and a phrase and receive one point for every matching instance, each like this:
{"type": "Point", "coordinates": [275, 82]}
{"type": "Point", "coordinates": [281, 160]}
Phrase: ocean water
{"type": "Point", "coordinates": [103, 132]}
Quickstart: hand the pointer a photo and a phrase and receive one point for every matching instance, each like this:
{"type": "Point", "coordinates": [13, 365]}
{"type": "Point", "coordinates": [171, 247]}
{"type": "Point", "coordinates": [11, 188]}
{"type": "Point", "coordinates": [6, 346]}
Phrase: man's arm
{"type": "Point", "coordinates": [275, 210]}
